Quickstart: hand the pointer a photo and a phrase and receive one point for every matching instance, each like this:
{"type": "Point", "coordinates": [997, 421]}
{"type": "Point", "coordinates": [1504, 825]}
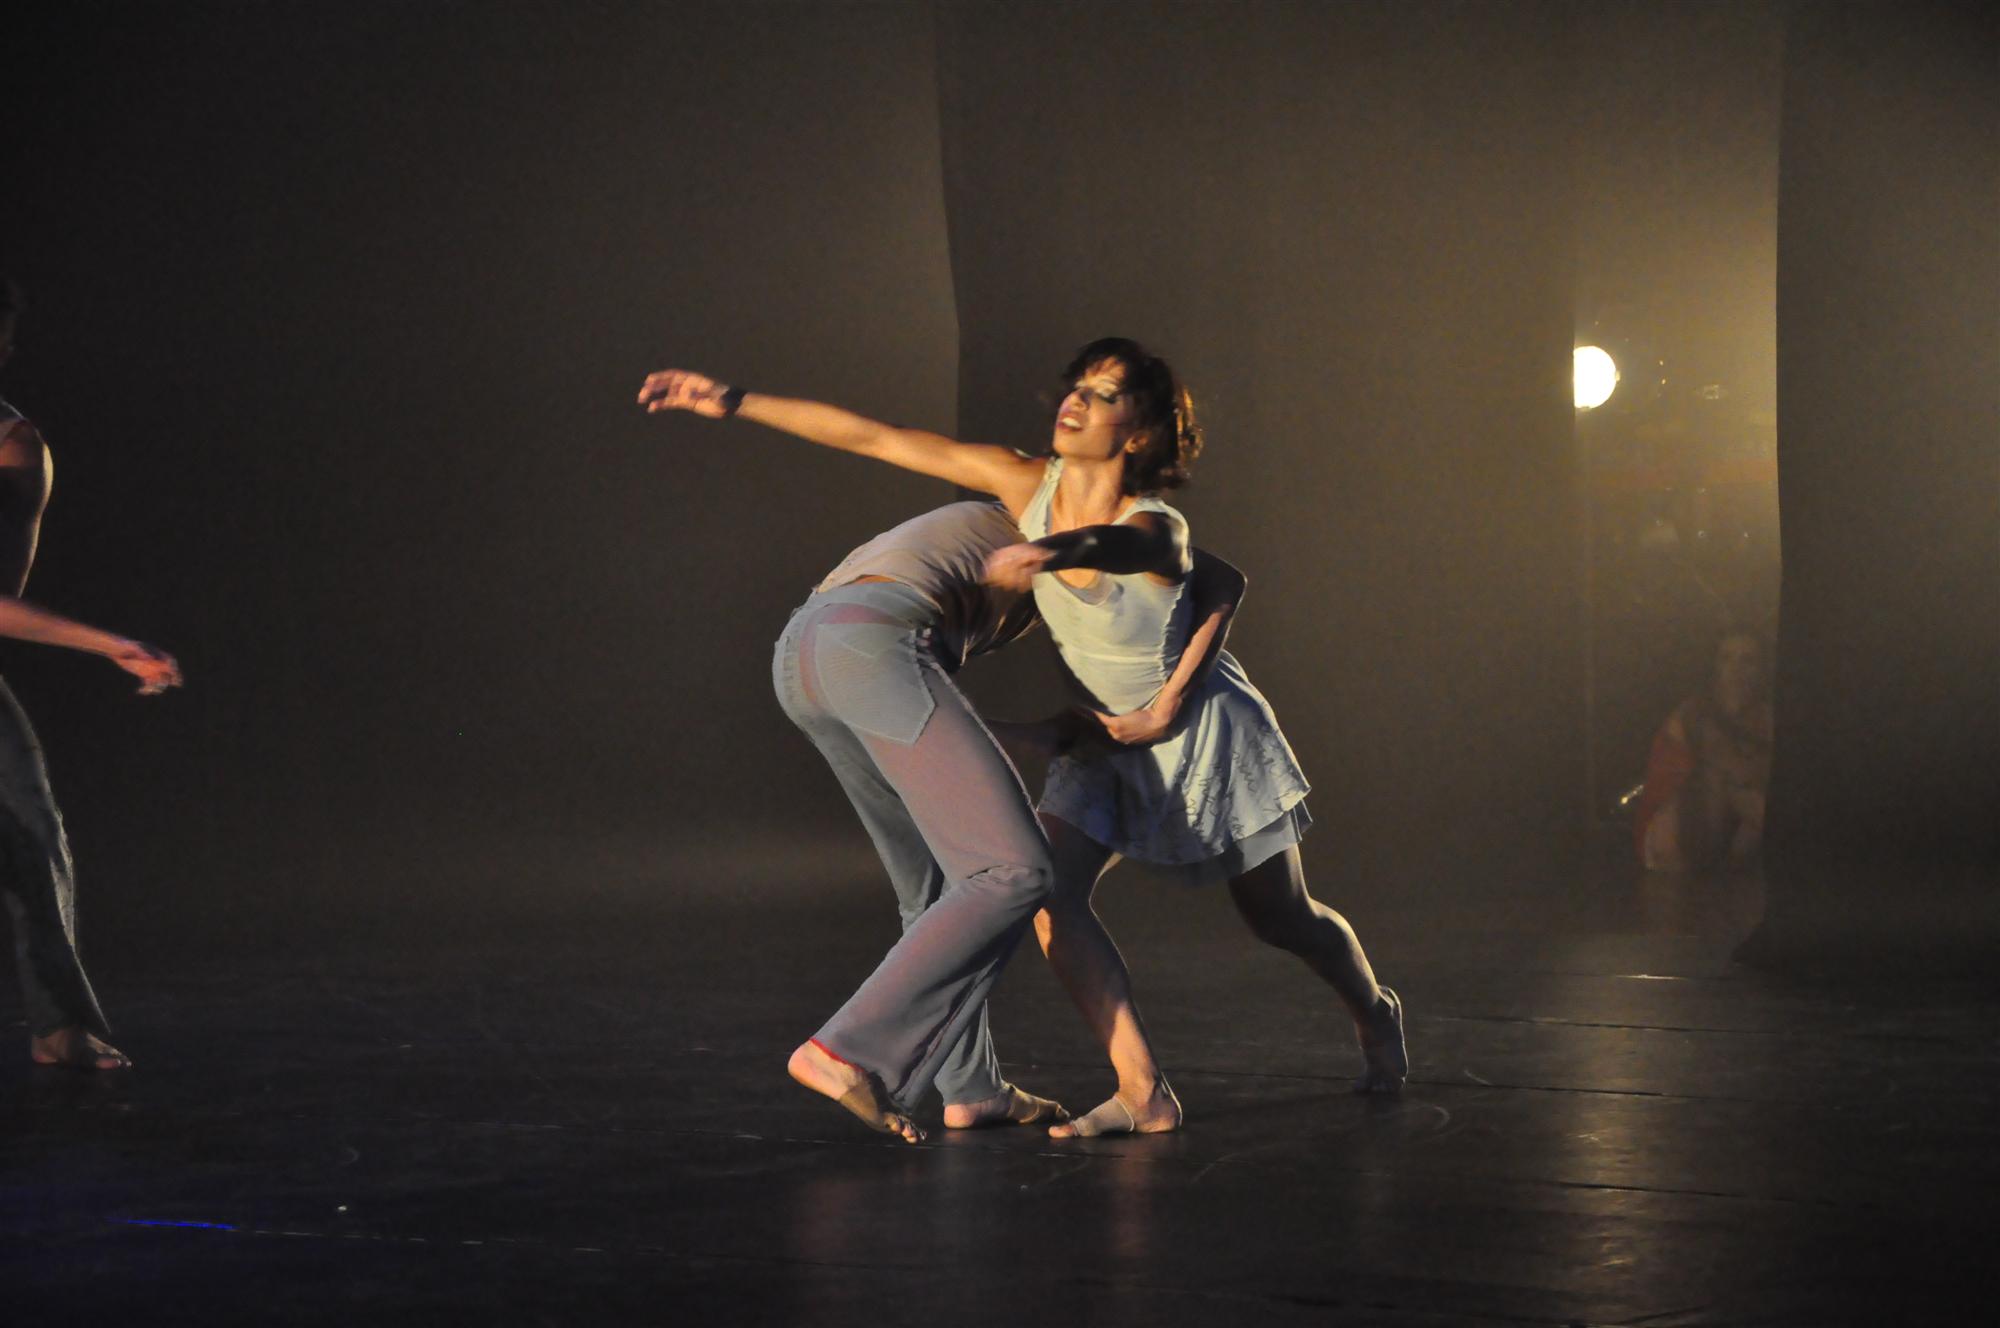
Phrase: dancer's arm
{"type": "Point", "coordinates": [1006, 474]}
{"type": "Point", "coordinates": [1217, 588]}
{"type": "Point", "coordinates": [1145, 542]}
{"type": "Point", "coordinates": [155, 669]}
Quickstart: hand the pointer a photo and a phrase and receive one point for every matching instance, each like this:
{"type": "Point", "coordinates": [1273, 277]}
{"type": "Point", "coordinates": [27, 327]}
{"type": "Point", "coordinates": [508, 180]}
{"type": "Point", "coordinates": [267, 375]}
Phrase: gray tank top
{"type": "Point", "coordinates": [941, 555]}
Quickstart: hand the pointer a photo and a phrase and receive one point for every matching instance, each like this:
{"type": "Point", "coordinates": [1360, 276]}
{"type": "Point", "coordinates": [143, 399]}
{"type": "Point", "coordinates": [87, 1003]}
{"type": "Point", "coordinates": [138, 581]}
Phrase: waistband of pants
{"type": "Point", "coordinates": [892, 599]}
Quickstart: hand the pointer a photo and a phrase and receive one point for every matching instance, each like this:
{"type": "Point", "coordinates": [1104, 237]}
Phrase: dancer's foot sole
{"type": "Point", "coordinates": [852, 1087]}
{"type": "Point", "coordinates": [1010, 1106]}
{"type": "Point", "coordinates": [1158, 1114]}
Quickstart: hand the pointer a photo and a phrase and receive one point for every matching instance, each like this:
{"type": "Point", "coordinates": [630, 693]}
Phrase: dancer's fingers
{"type": "Point", "coordinates": [662, 383]}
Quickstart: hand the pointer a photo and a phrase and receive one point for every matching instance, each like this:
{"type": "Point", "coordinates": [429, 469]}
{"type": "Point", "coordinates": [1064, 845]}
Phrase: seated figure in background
{"type": "Point", "coordinates": [1703, 803]}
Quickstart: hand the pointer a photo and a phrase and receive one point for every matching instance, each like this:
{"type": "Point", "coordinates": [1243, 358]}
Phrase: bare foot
{"type": "Point", "coordinates": [1387, 1060]}
{"type": "Point", "coordinates": [854, 1088]}
{"type": "Point", "coordinates": [74, 1049]}
{"type": "Point", "coordinates": [1158, 1112]}
{"type": "Point", "coordinates": [1009, 1106]}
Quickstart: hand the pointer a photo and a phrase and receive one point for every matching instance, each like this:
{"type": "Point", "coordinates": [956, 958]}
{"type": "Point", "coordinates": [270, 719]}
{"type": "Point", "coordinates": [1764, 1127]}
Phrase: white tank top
{"type": "Point", "coordinates": [1119, 637]}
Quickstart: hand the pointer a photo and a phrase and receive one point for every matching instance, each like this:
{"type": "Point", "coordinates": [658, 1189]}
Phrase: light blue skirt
{"type": "Point", "coordinates": [1217, 798]}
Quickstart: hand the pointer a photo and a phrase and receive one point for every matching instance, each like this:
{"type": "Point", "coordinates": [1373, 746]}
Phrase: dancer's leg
{"type": "Point", "coordinates": [965, 799]}
{"type": "Point", "coordinates": [969, 1073]}
{"type": "Point", "coordinates": [1086, 961]}
{"type": "Point", "coordinates": [973, 813]}
{"type": "Point", "coordinates": [854, 1087]}
{"type": "Point", "coordinates": [1272, 899]}
{"type": "Point", "coordinates": [65, 1023]}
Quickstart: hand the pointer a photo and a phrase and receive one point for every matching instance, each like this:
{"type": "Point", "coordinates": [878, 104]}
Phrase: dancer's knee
{"type": "Point", "coordinates": [1024, 883]}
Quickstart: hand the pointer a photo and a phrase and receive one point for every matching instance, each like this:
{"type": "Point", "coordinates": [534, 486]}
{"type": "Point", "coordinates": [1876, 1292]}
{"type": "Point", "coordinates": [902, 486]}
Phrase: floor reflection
{"type": "Point", "coordinates": [1720, 906]}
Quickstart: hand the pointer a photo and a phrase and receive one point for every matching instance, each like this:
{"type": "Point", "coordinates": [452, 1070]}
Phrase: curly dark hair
{"type": "Point", "coordinates": [1165, 412]}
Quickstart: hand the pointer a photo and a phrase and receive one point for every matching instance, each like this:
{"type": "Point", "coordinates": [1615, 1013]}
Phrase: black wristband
{"type": "Point", "coordinates": [732, 400]}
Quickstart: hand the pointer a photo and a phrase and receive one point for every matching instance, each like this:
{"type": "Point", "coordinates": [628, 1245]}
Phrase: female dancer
{"type": "Point", "coordinates": [1219, 794]}
{"type": "Point", "coordinates": [1220, 798]}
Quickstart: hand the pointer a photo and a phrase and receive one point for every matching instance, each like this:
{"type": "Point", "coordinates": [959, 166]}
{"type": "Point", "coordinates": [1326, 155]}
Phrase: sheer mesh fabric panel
{"type": "Point", "coordinates": [862, 666]}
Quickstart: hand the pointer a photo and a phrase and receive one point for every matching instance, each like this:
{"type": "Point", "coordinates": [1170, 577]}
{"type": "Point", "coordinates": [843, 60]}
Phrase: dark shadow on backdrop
{"type": "Point", "coordinates": [1884, 843]}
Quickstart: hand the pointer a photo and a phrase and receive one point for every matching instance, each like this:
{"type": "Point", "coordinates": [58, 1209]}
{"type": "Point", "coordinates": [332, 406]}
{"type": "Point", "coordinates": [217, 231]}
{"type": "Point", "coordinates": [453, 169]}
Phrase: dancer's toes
{"type": "Point", "coordinates": [74, 1049]}
{"type": "Point", "coordinates": [1009, 1106]}
{"type": "Point", "coordinates": [1386, 1058]}
{"type": "Point", "coordinates": [1157, 1113]}
{"type": "Point", "coordinates": [854, 1088]}
{"type": "Point", "coordinates": [896, 1123]}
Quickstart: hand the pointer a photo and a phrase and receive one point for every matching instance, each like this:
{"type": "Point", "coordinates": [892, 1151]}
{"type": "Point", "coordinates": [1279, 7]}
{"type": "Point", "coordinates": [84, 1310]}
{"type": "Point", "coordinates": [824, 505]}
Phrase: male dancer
{"type": "Point", "coordinates": [65, 1025]}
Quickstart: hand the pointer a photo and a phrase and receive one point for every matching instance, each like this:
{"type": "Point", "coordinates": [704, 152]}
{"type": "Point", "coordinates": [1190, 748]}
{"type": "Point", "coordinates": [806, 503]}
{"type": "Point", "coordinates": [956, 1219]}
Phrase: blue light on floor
{"type": "Point", "coordinates": [200, 1226]}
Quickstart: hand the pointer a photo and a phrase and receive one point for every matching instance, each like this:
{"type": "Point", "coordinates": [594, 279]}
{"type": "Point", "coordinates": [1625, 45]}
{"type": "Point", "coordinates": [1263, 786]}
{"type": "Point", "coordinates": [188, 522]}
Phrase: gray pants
{"type": "Point", "coordinates": [40, 885]}
{"type": "Point", "coordinates": [950, 818]}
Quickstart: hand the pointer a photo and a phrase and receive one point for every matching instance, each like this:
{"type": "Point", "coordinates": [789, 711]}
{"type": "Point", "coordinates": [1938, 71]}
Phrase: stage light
{"type": "Point", "coordinates": [1596, 377]}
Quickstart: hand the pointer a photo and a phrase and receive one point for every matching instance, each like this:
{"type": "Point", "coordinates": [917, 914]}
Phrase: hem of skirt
{"type": "Point", "coordinates": [1216, 865]}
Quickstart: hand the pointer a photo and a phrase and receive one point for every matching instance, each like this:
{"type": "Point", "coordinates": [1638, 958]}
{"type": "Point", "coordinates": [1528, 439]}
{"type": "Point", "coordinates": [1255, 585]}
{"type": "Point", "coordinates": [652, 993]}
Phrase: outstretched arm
{"type": "Point", "coordinates": [1007, 475]}
{"type": "Point", "coordinates": [155, 669]}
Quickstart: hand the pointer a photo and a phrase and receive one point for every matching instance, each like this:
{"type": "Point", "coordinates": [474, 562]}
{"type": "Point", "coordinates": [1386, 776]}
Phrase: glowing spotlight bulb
{"type": "Point", "coordinates": [1596, 377]}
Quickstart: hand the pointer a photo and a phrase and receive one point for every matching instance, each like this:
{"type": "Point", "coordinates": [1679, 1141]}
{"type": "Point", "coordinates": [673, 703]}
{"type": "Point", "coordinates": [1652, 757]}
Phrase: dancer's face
{"type": "Point", "coordinates": [1095, 421]}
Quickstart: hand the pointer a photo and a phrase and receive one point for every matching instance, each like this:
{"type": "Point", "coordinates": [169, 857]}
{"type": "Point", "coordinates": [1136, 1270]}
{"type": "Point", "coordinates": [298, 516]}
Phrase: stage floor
{"type": "Point", "coordinates": [586, 1120]}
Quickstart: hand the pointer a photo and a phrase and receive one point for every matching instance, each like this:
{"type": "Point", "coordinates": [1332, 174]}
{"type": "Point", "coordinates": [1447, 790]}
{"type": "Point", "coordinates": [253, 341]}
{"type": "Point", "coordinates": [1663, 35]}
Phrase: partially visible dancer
{"type": "Point", "coordinates": [1217, 792]}
{"type": "Point", "coordinates": [1702, 806]}
{"type": "Point", "coordinates": [66, 1026]}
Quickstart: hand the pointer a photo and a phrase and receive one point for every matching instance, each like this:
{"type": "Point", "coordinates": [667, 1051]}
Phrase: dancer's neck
{"type": "Point", "coordinates": [1089, 493]}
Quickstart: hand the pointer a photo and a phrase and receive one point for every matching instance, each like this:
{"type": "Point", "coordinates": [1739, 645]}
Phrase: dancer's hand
{"type": "Point", "coordinates": [155, 669]}
{"type": "Point", "coordinates": [1135, 728]}
{"type": "Point", "coordinates": [1014, 567]}
{"type": "Point", "coordinates": [677, 389]}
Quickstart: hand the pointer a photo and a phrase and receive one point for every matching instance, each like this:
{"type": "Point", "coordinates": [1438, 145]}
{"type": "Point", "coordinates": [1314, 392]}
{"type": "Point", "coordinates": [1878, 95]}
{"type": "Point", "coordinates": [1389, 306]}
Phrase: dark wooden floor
{"type": "Point", "coordinates": [586, 1121]}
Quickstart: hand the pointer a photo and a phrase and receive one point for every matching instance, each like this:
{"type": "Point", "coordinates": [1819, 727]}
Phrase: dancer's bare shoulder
{"type": "Point", "coordinates": [19, 441]}
{"type": "Point", "coordinates": [25, 461]}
